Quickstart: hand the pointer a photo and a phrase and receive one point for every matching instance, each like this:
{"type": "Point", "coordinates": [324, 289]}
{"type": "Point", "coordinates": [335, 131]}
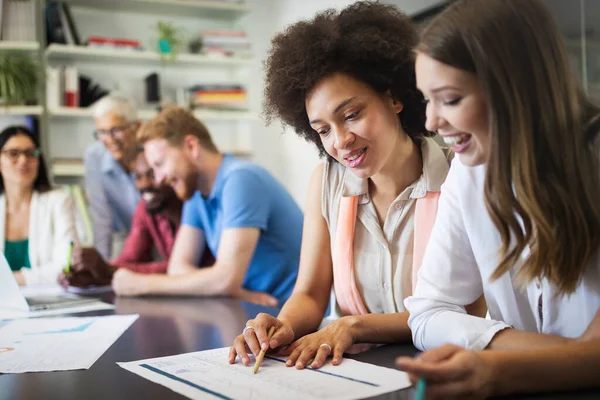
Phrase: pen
{"type": "Point", "coordinates": [420, 390]}
{"type": "Point", "coordinates": [67, 269]}
{"type": "Point", "coordinates": [261, 355]}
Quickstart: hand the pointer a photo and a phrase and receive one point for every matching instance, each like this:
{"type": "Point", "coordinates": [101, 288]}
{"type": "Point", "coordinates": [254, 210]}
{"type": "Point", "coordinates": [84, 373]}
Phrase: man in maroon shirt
{"type": "Point", "coordinates": [154, 226]}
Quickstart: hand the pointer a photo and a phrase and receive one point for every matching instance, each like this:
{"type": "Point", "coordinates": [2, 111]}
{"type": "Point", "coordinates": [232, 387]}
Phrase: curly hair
{"type": "Point", "coordinates": [369, 41]}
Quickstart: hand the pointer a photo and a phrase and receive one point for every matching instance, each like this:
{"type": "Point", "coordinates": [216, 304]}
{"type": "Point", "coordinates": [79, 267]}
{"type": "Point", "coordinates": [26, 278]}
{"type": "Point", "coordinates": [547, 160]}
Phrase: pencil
{"type": "Point", "coordinates": [261, 355]}
{"type": "Point", "coordinates": [67, 269]}
{"type": "Point", "coordinates": [420, 391]}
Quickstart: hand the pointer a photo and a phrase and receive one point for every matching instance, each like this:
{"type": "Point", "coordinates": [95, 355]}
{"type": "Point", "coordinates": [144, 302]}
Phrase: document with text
{"type": "Point", "coordinates": [208, 375]}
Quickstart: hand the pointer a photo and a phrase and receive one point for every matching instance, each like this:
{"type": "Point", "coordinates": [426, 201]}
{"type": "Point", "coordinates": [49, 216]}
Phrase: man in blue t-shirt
{"type": "Point", "coordinates": [247, 218]}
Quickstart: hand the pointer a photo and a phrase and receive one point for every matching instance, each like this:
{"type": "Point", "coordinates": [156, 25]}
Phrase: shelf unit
{"type": "Point", "coordinates": [9, 45]}
{"type": "Point", "coordinates": [66, 53]}
{"type": "Point", "coordinates": [21, 110]}
{"type": "Point", "coordinates": [211, 9]}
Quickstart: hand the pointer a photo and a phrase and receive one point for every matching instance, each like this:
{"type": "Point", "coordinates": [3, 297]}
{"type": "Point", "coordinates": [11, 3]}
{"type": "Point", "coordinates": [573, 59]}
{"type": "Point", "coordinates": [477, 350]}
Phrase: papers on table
{"type": "Point", "coordinates": [58, 344]}
{"type": "Point", "coordinates": [208, 374]}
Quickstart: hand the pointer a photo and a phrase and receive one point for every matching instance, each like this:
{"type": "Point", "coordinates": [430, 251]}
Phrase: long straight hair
{"type": "Point", "coordinates": [42, 180]}
{"type": "Point", "coordinates": [542, 188]}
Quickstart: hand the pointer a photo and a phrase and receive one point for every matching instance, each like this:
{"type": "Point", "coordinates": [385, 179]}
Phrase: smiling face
{"type": "Point", "coordinates": [456, 109]}
{"type": "Point", "coordinates": [357, 126]}
{"type": "Point", "coordinates": [19, 161]}
{"type": "Point", "coordinates": [117, 134]}
{"type": "Point", "coordinates": [173, 165]}
{"type": "Point", "coordinates": [156, 195]}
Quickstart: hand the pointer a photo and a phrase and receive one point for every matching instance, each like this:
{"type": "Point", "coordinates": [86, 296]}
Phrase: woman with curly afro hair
{"type": "Point", "coordinates": [345, 81]}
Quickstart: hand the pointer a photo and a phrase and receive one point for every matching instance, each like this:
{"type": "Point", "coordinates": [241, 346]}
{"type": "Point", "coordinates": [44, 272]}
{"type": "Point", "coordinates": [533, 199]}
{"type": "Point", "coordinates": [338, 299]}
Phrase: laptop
{"type": "Point", "coordinates": [12, 298]}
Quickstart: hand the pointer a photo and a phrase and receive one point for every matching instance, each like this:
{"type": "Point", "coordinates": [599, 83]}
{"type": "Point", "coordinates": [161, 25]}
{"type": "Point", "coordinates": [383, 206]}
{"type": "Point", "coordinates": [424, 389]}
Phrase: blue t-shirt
{"type": "Point", "coordinates": [245, 195]}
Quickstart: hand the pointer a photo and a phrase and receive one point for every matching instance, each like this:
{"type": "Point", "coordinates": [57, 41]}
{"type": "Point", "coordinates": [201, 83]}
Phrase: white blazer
{"type": "Point", "coordinates": [51, 228]}
{"type": "Point", "coordinates": [461, 256]}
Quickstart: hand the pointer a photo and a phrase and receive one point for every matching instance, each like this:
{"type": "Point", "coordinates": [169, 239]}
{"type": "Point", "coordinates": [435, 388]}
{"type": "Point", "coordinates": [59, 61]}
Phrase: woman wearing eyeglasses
{"type": "Point", "coordinates": [38, 221]}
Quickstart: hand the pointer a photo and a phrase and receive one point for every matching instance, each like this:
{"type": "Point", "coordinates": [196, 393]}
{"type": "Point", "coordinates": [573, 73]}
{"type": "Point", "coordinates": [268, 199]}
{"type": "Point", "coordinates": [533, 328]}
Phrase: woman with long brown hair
{"type": "Point", "coordinates": [519, 214]}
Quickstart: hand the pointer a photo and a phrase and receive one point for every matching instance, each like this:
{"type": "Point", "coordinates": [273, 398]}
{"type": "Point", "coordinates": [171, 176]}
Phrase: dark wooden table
{"type": "Point", "coordinates": [167, 327]}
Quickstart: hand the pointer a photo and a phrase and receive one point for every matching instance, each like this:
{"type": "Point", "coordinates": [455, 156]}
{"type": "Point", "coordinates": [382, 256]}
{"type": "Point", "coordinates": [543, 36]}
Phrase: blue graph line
{"type": "Point", "coordinates": [330, 373]}
{"type": "Point", "coordinates": [80, 328]}
{"type": "Point", "coordinates": [178, 379]}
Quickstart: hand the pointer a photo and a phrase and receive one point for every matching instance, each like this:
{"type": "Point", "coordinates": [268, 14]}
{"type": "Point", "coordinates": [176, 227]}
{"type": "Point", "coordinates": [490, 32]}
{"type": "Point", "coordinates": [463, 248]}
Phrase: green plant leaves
{"type": "Point", "coordinates": [18, 79]}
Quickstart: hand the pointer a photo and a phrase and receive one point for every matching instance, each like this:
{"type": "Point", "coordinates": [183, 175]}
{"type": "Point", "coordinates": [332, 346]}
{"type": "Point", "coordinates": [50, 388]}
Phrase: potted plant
{"type": "Point", "coordinates": [170, 40]}
{"type": "Point", "coordinates": [18, 79]}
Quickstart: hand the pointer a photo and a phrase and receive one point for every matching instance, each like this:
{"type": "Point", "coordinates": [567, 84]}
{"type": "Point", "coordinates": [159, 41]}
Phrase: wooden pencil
{"type": "Point", "coordinates": [261, 355]}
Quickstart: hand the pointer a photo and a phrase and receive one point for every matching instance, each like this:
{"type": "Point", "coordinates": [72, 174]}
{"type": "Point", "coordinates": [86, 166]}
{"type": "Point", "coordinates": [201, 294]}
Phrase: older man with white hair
{"type": "Point", "coordinates": [109, 179]}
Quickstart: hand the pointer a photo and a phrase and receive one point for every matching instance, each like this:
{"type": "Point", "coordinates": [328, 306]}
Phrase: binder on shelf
{"type": "Point", "coordinates": [71, 87]}
{"type": "Point", "coordinates": [54, 87]}
{"type": "Point", "coordinates": [54, 29]}
{"type": "Point", "coordinates": [70, 23]}
{"type": "Point", "coordinates": [17, 20]}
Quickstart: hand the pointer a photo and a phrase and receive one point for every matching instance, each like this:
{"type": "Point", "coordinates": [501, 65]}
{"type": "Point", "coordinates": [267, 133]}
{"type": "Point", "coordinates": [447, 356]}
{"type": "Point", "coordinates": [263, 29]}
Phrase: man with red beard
{"type": "Point", "coordinates": [154, 227]}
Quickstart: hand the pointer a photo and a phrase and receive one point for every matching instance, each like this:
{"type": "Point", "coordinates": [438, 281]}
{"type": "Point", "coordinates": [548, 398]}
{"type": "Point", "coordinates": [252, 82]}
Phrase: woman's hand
{"type": "Point", "coordinates": [334, 340]}
{"type": "Point", "coordinates": [452, 372]}
{"type": "Point", "coordinates": [254, 338]}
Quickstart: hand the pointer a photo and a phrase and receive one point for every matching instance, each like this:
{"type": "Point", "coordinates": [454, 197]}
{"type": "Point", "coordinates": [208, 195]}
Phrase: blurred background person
{"type": "Point", "coordinates": [38, 223]}
{"type": "Point", "coordinates": [109, 177]}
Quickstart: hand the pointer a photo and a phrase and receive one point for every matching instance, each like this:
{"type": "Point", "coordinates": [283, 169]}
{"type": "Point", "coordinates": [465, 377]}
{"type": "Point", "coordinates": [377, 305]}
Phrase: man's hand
{"type": "Point", "coordinates": [89, 268]}
{"type": "Point", "coordinates": [260, 298]}
{"type": "Point", "coordinates": [128, 283]}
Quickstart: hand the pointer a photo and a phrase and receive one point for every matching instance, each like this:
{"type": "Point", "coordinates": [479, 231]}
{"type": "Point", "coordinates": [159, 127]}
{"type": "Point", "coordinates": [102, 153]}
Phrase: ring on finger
{"type": "Point", "coordinates": [246, 328]}
{"type": "Point", "coordinates": [328, 348]}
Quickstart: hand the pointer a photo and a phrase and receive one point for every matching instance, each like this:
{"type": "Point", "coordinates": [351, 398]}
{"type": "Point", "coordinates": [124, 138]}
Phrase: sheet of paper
{"type": "Point", "coordinates": [58, 344]}
{"type": "Point", "coordinates": [208, 375]}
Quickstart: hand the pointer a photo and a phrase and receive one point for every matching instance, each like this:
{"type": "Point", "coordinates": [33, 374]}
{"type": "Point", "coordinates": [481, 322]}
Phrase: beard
{"type": "Point", "coordinates": [186, 189]}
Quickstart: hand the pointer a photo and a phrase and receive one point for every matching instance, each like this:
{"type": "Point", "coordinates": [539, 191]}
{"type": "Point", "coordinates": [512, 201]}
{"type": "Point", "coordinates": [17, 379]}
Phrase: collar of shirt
{"type": "Point", "coordinates": [219, 179]}
{"type": "Point", "coordinates": [435, 169]}
{"type": "Point", "coordinates": [110, 165]}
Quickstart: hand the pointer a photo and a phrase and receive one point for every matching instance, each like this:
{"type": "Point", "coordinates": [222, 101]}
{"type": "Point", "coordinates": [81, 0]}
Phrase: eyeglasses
{"type": "Point", "coordinates": [112, 132]}
{"type": "Point", "coordinates": [13, 154]}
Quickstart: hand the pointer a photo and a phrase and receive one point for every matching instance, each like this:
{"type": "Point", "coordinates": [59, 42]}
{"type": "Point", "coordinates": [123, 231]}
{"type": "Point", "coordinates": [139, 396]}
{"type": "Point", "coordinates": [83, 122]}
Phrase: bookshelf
{"type": "Point", "coordinates": [21, 110]}
{"type": "Point", "coordinates": [211, 9]}
{"type": "Point", "coordinates": [70, 54]}
{"type": "Point", "coordinates": [10, 45]}
{"type": "Point", "coordinates": [60, 122]}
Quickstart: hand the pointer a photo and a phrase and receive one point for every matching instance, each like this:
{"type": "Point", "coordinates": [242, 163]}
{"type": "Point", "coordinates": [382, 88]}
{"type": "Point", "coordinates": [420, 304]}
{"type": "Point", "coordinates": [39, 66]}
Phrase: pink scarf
{"type": "Point", "coordinates": [346, 290]}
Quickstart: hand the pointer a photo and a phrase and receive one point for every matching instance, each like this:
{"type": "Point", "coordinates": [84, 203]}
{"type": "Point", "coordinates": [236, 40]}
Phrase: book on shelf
{"type": "Point", "coordinates": [65, 87]}
{"type": "Point", "coordinates": [71, 87]}
{"type": "Point", "coordinates": [103, 42]}
{"type": "Point", "coordinates": [17, 20]}
{"type": "Point", "coordinates": [218, 96]}
{"type": "Point", "coordinates": [60, 25]}
{"type": "Point", "coordinates": [227, 42]}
